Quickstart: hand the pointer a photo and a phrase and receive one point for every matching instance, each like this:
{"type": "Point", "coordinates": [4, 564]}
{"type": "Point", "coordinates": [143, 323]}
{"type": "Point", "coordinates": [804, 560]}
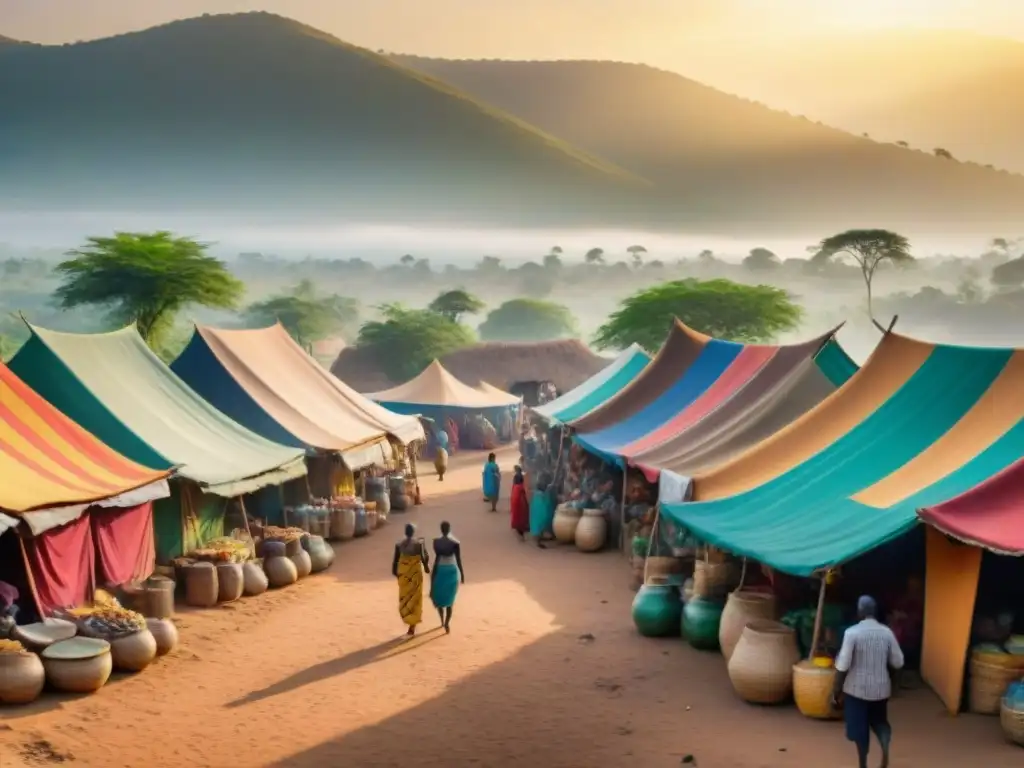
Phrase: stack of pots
{"type": "Point", "coordinates": [400, 500]}
{"type": "Point", "coordinates": [377, 494]}
{"type": "Point", "coordinates": [279, 568]}
{"type": "Point", "coordinates": [742, 607]}
{"type": "Point", "coordinates": [343, 523]}
{"type": "Point", "coordinates": [567, 519]}
{"type": "Point", "coordinates": [761, 666]}
{"type": "Point", "coordinates": [591, 531]}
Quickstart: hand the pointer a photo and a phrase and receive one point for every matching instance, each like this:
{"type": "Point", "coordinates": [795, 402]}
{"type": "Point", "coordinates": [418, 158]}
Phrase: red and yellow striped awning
{"type": "Point", "coordinates": [47, 460]}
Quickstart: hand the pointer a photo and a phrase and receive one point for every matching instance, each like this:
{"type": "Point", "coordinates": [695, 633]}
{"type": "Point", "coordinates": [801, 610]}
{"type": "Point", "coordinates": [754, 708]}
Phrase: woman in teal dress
{"type": "Point", "coordinates": [542, 508]}
{"type": "Point", "coordinates": [447, 575]}
{"type": "Point", "coordinates": [492, 482]}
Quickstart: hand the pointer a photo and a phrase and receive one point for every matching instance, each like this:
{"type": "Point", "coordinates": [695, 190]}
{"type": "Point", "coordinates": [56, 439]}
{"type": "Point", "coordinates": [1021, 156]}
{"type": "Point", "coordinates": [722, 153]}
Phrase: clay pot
{"type": "Point", "coordinates": [701, 623]}
{"type": "Point", "coordinates": [657, 610]}
{"type": "Point", "coordinates": [254, 579]}
{"type": "Point", "coordinates": [565, 523]}
{"type": "Point", "coordinates": [78, 665]}
{"type": "Point", "coordinates": [272, 549]}
{"type": "Point", "coordinates": [400, 502]}
{"type": "Point", "coordinates": [135, 652]}
{"type": "Point", "coordinates": [159, 594]}
{"type": "Point", "coordinates": [21, 678]}
{"type": "Point", "coordinates": [164, 633]}
{"type": "Point", "coordinates": [281, 571]}
{"type": "Point", "coordinates": [812, 690]}
{"type": "Point", "coordinates": [201, 587]}
{"type": "Point", "coordinates": [321, 555]}
{"type": "Point", "coordinates": [761, 667]}
{"type": "Point", "coordinates": [591, 531]}
{"type": "Point", "coordinates": [343, 523]}
{"type": "Point", "coordinates": [230, 582]}
{"type": "Point", "coordinates": [741, 608]}
{"type": "Point", "coordinates": [303, 564]}
{"type": "Point", "coordinates": [41, 635]}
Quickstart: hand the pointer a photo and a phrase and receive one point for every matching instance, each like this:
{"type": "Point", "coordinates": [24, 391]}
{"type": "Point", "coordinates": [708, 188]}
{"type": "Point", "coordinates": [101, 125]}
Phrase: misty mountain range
{"type": "Point", "coordinates": [257, 114]}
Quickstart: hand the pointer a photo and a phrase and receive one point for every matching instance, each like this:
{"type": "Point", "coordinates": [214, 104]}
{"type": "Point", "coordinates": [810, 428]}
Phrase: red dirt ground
{"type": "Point", "coordinates": [318, 675]}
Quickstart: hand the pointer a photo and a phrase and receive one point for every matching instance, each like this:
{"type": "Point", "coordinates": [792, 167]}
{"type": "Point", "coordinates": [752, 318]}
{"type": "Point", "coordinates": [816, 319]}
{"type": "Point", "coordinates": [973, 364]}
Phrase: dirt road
{"type": "Point", "coordinates": [543, 668]}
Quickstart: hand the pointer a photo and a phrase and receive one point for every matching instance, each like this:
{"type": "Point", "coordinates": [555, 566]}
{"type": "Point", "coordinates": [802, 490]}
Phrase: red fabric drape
{"type": "Point", "coordinates": [125, 549]}
{"type": "Point", "coordinates": [60, 563]}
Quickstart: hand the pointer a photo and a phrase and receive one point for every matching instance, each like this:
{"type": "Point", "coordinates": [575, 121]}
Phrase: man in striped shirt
{"type": "Point", "coordinates": [865, 668]}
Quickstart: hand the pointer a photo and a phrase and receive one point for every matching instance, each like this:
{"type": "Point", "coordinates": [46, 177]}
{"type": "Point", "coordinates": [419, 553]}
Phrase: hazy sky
{"type": "Point", "coordinates": [656, 31]}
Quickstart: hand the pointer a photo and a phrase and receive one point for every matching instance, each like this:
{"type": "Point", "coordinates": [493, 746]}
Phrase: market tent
{"type": "Point", "coordinates": [681, 349]}
{"type": "Point", "coordinates": [989, 516]}
{"type": "Point", "coordinates": [720, 371]}
{"type": "Point", "coordinates": [46, 460]}
{"type": "Point", "coordinates": [598, 389]}
{"type": "Point", "coordinates": [266, 382]}
{"type": "Point", "coordinates": [435, 387]}
{"type": "Point", "coordinates": [492, 391]}
{"type": "Point", "coordinates": [52, 474]}
{"type": "Point", "coordinates": [918, 424]}
{"type": "Point", "coordinates": [734, 414]}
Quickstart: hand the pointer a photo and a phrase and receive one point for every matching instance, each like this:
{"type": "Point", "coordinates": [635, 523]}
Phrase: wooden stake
{"type": "Point", "coordinates": [816, 637]}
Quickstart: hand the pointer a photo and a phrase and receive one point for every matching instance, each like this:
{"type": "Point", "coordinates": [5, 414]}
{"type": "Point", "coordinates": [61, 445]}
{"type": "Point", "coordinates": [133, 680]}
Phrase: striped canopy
{"type": "Point", "coordinates": [47, 460]}
{"type": "Point", "coordinates": [598, 389]}
{"type": "Point", "coordinates": [918, 425]}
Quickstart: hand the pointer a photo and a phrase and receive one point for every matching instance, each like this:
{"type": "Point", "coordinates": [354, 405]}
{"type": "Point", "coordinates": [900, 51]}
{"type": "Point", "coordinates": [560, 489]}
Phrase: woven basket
{"type": "Point", "coordinates": [987, 685]}
{"type": "Point", "coordinates": [1012, 721]}
{"type": "Point", "coordinates": [741, 608]}
{"type": "Point", "coordinates": [998, 659]}
{"type": "Point", "coordinates": [663, 566]}
{"type": "Point", "coordinates": [711, 580]}
{"type": "Point", "coordinates": [761, 667]}
{"type": "Point", "coordinates": [812, 690]}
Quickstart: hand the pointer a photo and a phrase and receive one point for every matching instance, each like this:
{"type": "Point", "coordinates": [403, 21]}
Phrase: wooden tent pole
{"type": "Point", "coordinates": [816, 636]}
{"type": "Point", "coordinates": [622, 512]}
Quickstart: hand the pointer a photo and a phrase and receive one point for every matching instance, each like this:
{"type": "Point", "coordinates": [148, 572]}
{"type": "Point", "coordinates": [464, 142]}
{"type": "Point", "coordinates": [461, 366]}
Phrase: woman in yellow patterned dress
{"type": "Point", "coordinates": [410, 563]}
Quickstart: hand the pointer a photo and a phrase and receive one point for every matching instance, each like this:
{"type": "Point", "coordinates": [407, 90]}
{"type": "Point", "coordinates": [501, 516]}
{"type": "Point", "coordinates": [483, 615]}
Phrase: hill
{"type": "Point", "coordinates": [254, 112]}
{"type": "Point", "coordinates": [932, 88]}
{"type": "Point", "coordinates": [732, 158]}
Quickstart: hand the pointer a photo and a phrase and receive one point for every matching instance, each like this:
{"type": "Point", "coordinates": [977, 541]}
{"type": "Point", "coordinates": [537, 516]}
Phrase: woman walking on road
{"type": "Point", "coordinates": [492, 481]}
{"type": "Point", "coordinates": [520, 505]}
{"type": "Point", "coordinates": [447, 576]}
{"type": "Point", "coordinates": [410, 562]}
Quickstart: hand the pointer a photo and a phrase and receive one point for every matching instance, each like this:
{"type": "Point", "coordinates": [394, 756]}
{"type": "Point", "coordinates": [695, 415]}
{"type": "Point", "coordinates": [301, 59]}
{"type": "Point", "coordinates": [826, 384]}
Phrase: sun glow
{"type": "Point", "coordinates": [885, 14]}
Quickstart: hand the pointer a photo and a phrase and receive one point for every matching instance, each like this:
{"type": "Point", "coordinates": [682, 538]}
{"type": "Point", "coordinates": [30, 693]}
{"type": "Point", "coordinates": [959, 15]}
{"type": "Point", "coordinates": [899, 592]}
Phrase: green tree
{"type": "Point", "coordinates": [869, 249]}
{"type": "Point", "coordinates": [528, 320]}
{"type": "Point", "coordinates": [594, 256]}
{"type": "Point", "coordinates": [146, 278]}
{"type": "Point", "coordinates": [636, 255]}
{"type": "Point", "coordinates": [719, 308]}
{"type": "Point", "coordinates": [761, 259]}
{"type": "Point", "coordinates": [1009, 275]}
{"type": "Point", "coordinates": [307, 315]}
{"type": "Point", "coordinates": [454, 304]}
{"type": "Point", "coordinates": [405, 341]}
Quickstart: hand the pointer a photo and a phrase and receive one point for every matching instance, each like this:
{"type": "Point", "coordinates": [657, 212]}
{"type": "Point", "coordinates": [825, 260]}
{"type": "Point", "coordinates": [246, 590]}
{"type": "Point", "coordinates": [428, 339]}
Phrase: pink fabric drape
{"type": "Point", "coordinates": [125, 549]}
{"type": "Point", "coordinates": [61, 565]}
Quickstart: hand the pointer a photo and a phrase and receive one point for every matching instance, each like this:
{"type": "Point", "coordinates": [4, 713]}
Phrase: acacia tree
{"type": "Point", "coordinates": [528, 320]}
{"type": "Point", "coordinates": [760, 259]}
{"type": "Point", "coordinates": [869, 249]}
{"type": "Point", "coordinates": [405, 341]}
{"type": "Point", "coordinates": [146, 279]}
{"type": "Point", "coordinates": [719, 308]}
{"type": "Point", "coordinates": [456, 303]}
{"type": "Point", "coordinates": [307, 315]}
{"type": "Point", "coordinates": [594, 256]}
{"type": "Point", "coordinates": [636, 255]}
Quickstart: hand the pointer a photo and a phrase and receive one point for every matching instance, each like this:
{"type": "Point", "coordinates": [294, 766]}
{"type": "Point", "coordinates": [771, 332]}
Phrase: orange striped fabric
{"type": "Point", "coordinates": [47, 460]}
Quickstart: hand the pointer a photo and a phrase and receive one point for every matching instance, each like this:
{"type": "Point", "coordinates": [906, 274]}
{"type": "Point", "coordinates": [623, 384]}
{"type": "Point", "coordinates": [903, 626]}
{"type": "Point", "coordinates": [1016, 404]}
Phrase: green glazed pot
{"type": "Point", "coordinates": [700, 623]}
{"type": "Point", "coordinates": [657, 610]}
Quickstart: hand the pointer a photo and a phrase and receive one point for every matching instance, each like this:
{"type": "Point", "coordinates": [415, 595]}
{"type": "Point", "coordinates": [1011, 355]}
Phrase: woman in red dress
{"type": "Point", "coordinates": [520, 505]}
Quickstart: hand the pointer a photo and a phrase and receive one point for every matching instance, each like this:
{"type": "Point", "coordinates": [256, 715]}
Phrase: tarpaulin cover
{"type": "Point", "coordinates": [436, 387]}
{"type": "Point", "coordinates": [47, 460]}
{"type": "Point", "coordinates": [125, 551]}
{"type": "Point", "coordinates": [598, 389]}
{"type": "Point", "coordinates": [266, 382]}
{"type": "Point", "coordinates": [117, 388]}
{"type": "Point", "coordinates": [727, 419]}
{"type": "Point", "coordinates": [721, 373]}
{"type": "Point", "coordinates": [681, 349]}
{"type": "Point", "coordinates": [990, 515]}
{"type": "Point", "coordinates": [61, 565]}
{"type": "Point", "coordinates": [919, 424]}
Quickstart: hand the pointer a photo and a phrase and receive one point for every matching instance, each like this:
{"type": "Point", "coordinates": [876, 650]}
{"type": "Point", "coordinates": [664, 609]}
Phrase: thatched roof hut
{"type": "Point", "coordinates": [565, 363]}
